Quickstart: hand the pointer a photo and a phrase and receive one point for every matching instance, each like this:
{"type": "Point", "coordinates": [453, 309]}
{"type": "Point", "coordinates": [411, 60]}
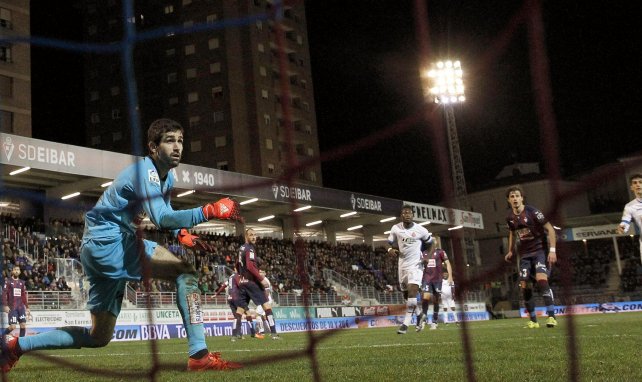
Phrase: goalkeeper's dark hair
{"type": "Point", "coordinates": [635, 176]}
{"type": "Point", "coordinates": [160, 127]}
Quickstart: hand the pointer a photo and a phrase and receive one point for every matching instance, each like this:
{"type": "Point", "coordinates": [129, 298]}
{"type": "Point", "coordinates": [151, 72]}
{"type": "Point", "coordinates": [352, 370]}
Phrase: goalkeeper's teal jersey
{"type": "Point", "coordinates": [109, 245]}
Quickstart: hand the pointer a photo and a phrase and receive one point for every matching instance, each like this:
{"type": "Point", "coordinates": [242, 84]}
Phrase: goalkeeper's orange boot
{"type": "Point", "coordinates": [211, 361]}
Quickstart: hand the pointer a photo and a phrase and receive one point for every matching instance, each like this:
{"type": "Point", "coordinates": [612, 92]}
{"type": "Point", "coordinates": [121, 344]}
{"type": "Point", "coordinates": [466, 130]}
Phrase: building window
{"type": "Point", "coordinates": [220, 141]}
{"type": "Point", "coordinates": [263, 71]}
{"type": "Point", "coordinates": [173, 100]}
{"type": "Point", "coordinates": [116, 136]}
{"type": "Point", "coordinates": [270, 168]}
{"type": "Point", "coordinates": [308, 129]}
{"type": "Point", "coordinates": [6, 121]}
{"type": "Point", "coordinates": [169, 9]}
{"type": "Point", "coordinates": [218, 116]}
{"type": "Point", "coordinates": [192, 97]}
{"type": "Point", "coordinates": [5, 18]}
{"type": "Point", "coordinates": [187, 2]}
{"type": "Point", "coordinates": [299, 39]}
{"type": "Point", "coordinates": [261, 48]}
{"type": "Point", "coordinates": [264, 94]}
{"type": "Point", "coordinates": [195, 146]}
{"type": "Point", "coordinates": [217, 92]}
{"type": "Point", "coordinates": [190, 49]}
{"type": "Point", "coordinates": [95, 118]}
{"type": "Point", "coordinates": [188, 24]}
{"type": "Point", "coordinates": [259, 25]}
{"type": "Point", "coordinates": [114, 90]}
{"type": "Point", "coordinates": [170, 52]}
{"type": "Point", "coordinates": [267, 119]}
{"type": "Point", "coordinates": [190, 73]}
{"type": "Point", "coordinates": [306, 106]}
{"type": "Point", "coordinates": [171, 77]}
{"type": "Point", "coordinates": [215, 67]}
{"type": "Point", "coordinates": [213, 43]}
{"type": "Point", "coordinates": [95, 140]}
{"type": "Point", "coordinates": [313, 176]}
{"type": "Point", "coordinates": [6, 86]}
{"type": "Point", "coordinates": [5, 53]}
{"type": "Point", "coordinates": [304, 84]}
{"type": "Point", "coordinates": [223, 165]}
{"type": "Point", "coordinates": [210, 19]}
{"type": "Point", "coordinates": [194, 121]}
{"type": "Point", "coordinates": [115, 114]}
{"type": "Point", "coordinates": [268, 144]}
{"type": "Point", "coordinates": [94, 95]}
{"type": "Point", "coordinates": [310, 152]}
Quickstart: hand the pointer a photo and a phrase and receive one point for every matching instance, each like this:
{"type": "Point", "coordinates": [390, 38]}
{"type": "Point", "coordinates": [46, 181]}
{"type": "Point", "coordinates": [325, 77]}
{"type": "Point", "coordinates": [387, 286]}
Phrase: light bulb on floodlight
{"type": "Point", "coordinates": [457, 64]}
{"type": "Point", "coordinates": [440, 64]}
{"type": "Point", "coordinates": [449, 64]}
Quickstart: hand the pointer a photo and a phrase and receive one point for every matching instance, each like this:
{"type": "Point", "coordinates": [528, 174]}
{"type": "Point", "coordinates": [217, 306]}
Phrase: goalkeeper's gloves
{"type": "Point", "coordinates": [223, 209]}
{"type": "Point", "coordinates": [192, 241]}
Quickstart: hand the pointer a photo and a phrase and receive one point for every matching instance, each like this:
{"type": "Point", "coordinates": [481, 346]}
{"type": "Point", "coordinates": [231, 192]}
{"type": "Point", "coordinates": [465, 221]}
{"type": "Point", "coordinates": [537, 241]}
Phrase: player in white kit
{"type": "Point", "coordinates": [633, 209]}
{"type": "Point", "coordinates": [448, 299]}
{"type": "Point", "coordinates": [406, 240]}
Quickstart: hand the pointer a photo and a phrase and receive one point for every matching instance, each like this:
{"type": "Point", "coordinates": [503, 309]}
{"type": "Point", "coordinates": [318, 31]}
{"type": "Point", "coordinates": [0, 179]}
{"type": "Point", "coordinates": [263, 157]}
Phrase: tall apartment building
{"type": "Point", "coordinates": [222, 84]}
{"type": "Point", "coordinates": [15, 69]}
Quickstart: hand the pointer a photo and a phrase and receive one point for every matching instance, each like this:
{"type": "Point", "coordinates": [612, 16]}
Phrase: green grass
{"type": "Point", "coordinates": [608, 346]}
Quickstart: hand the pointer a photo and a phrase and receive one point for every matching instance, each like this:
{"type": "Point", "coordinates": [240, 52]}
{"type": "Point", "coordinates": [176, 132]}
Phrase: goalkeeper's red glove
{"type": "Point", "coordinates": [192, 241]}
{"type": "Point", "coordinates": [224, 209]}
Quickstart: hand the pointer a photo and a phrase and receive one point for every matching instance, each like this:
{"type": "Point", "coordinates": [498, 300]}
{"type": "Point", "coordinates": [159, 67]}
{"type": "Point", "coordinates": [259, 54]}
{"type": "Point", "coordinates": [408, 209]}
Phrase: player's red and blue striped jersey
{"type": "Point", "coordinates": [529, 226]}
{"type": "Point", "coordinates": [246, 263]}
{"type": "Point", "coordinates": [433, 267]}
{"type": "Point", "coordinates": [14, 293]}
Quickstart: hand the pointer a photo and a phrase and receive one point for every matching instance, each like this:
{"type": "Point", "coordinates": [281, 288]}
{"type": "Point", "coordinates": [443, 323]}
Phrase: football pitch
{"type": "Point", "coordinates": [608, 348]}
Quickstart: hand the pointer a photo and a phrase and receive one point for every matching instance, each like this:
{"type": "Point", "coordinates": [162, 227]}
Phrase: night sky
{"type": "Point", "coordinates": [365, 66]}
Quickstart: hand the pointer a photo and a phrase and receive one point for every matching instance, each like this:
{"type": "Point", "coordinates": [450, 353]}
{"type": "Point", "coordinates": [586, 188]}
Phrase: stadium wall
{"type": "Point", "coordinates": [142, 324]}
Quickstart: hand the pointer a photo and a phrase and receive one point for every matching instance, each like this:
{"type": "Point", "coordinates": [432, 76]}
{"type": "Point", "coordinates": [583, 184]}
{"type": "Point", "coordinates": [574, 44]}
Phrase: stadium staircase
{"type": "Point", "coordinates": [344, 287]}
{"type": "Point", "coordinates": [72, 271]}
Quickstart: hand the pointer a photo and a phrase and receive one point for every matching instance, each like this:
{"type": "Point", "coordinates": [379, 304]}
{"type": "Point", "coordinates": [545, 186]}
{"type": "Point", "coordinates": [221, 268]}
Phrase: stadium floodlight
{"type": "Point", "coordinates": [249, 201]}
{"type": "Point", "coordinates": [446, 82]}
{"type": "Point", "coordinates": [18, 171]}
{"type": "Point", "coordinates": [310, 224]}
{"type": "Point", "coordinates": [425, 223]}
{"type": "Point", "coordinates": [303, 208]}
{"type": "Point", "coordinates": [264, 218]}
{"type": "Point", "coordinates": [354, 227]}
{"type": "Point", "coordinates": [190, 192]}
{"type": "Point", "coordinates": [72, 195]}
{"type": "Point", "coordinates": [106, 184]}
{"type": "Point", "coordinates": [387, 219]}
{"type": "Point", "coordinates": [455, 227]}
{"type": "Point", "coordinates": [348, 214]}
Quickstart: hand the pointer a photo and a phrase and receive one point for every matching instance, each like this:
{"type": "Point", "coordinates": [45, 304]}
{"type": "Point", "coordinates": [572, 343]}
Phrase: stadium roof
{"type": "Point", "coordinates": [60, 169]}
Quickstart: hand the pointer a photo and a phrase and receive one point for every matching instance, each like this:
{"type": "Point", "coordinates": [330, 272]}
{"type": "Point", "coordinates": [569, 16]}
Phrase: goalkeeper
{"type": "Point", "coordinates": [112, 253]}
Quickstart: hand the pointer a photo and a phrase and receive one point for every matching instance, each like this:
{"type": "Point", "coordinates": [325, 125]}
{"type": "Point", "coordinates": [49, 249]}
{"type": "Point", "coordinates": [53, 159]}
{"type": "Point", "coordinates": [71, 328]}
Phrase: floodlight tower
{"type": "Point", "coordinates": [447, 89]}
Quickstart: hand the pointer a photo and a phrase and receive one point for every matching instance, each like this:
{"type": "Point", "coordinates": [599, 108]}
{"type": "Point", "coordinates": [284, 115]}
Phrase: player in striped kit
{"type": "Point", "coordinates": [633, 209]}
{"type": "Point", "coordinates": [14, 302]}
{"type": "Point", "coordinates": [406, 240]}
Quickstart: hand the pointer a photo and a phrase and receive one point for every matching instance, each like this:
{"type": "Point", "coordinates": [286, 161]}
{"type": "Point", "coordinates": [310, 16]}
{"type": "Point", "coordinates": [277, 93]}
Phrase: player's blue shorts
{"type": "Point", "coordinates": [531, 265]}
{"type": "Point", "coordinates": [18, 316]}
{"type": "Point", "coordinates": [433, 287]}
{"type": "Point", "coordinates": [250, 290]}
{"type": "Point", "coordinates": [109, 263]}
